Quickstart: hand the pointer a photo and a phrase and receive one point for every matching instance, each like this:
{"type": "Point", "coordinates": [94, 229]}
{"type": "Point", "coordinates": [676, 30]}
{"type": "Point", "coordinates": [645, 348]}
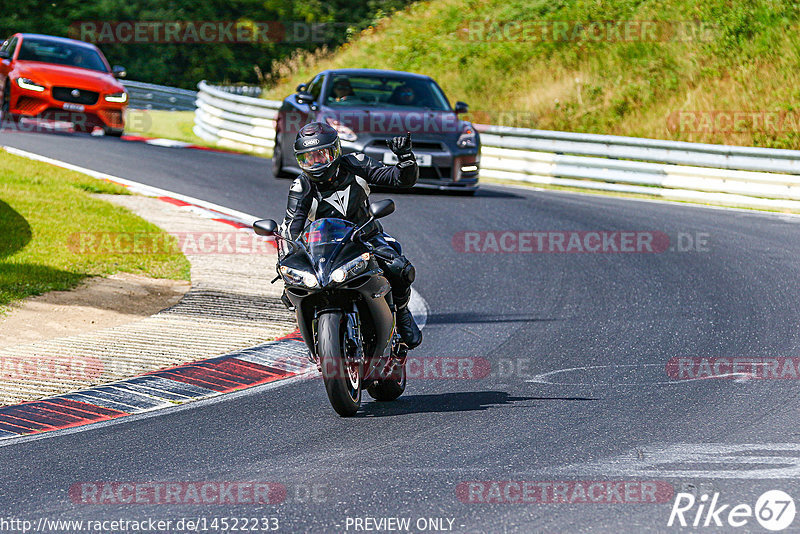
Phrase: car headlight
{"type": "Point", "coordinates": [350, 268]}
{"type": "Point", "coordinates": [467, 139]}
{"type": "Point", "coordinates": [30, 85]}
{"type": "Point", "coordinates": [298, 277]}
{"type": "Point", "coordinates": [117, 98]}
{"type": "Point", "coordinates": [345, 133]}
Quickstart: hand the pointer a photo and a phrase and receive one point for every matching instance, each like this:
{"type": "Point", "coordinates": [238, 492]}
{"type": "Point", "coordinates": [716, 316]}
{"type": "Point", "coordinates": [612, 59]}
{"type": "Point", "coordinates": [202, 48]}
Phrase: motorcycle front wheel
{"type": "Point", "coordinates": [391, 388]}
{"type": "Point", "coordinates": [341, 374]}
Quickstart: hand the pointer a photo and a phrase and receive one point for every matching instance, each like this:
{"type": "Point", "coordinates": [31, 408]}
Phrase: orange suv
{"type": "Point", "coordinates": [60, 79]}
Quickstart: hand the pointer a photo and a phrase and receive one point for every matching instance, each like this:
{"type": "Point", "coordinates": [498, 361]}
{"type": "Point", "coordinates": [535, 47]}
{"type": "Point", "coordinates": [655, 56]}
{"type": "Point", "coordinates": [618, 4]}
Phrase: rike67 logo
{"type": "Point", "coordinates": [774, 510]}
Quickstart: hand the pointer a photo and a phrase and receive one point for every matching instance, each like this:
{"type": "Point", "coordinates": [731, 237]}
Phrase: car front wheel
{"type": "Point", "coordinates": [6, 117]}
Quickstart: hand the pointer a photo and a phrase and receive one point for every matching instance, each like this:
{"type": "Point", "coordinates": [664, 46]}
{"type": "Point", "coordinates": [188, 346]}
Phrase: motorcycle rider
{"type": "Point", "coordinates": [336, 185]}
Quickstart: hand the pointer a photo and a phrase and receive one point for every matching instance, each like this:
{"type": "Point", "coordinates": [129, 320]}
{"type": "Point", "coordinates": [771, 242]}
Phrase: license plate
{"type": "Point", "coordinates": [73, 107]}
{"type": "Point", "coordinates": [423, 160]}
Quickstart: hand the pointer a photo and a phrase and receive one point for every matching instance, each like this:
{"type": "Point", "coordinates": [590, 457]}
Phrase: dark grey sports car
{"type": "Point", "coordinates": [367, 107]}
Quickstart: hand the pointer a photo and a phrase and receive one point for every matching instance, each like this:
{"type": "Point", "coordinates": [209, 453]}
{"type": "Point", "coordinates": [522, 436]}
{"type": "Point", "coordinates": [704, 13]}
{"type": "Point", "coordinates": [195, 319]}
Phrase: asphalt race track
{"type": "Point", "coordinates": [577, 380]}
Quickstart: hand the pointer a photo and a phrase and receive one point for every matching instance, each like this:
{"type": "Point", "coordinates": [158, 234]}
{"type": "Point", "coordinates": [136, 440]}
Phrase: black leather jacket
{"type": "Point", "coordinates": [346, 196]}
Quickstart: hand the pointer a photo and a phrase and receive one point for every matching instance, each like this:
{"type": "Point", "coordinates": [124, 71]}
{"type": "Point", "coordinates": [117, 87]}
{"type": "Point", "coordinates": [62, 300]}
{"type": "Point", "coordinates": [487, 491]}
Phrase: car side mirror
{"type": "Point", "coordinates": [118, 71]}
{"type": "Point", "coordinates": [265, 227]}
{"type": "Point", "coordinates": [304, 97]}
{"type": "Point", "coordinates": [382, 208]}
{"type": "Point", "coordinates": [461, 107]}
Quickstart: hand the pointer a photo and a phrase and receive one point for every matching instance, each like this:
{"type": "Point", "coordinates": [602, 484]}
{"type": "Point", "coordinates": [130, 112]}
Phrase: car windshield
{"type": "Point", "coordinates": [61, 53]}
{"type": "Point", "coordinates": [324, 232]}
{"type": "Point", "coordinates": [346, 91]}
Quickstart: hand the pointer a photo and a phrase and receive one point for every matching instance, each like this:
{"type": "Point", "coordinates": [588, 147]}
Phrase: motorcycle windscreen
{"type": "Point", "coordinates": [323, 236]}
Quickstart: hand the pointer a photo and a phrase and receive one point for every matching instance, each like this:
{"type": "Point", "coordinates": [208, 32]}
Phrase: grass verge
{"type": "Point", "coordinates": [42, 208]}
{"type": "Point", "coordinates": [176, 125]}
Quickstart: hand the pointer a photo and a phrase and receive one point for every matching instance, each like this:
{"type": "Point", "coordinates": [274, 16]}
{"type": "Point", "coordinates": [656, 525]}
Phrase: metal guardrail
{"type": "Point", "coordinates": [235, 121]}
{"type": "Point", "coordinates": [244, 90]}
{"type": "Point", "coordinates": [149, 96]}
{"type": "Point", "coordinates": [718, 174]}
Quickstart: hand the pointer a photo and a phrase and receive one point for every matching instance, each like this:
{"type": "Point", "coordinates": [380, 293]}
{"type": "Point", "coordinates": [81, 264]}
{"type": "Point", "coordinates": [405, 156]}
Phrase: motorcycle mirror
{"type": "Point", "coordinates": [382, 208]}
{"type": "Point", "coordinates": [265, 227]}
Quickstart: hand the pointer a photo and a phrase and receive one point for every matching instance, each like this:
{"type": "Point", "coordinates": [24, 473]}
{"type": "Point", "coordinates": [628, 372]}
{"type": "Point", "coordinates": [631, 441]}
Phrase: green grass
{"type": "Point", "coordinates": [748, 59]}
{"type": "Point", "coordinates": [176, 125]}
{"type": "Point", "coordinates": [42, 210]}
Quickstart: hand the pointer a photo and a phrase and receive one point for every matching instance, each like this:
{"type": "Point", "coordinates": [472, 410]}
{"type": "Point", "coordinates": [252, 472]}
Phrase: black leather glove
{"type": "Point", "coordinates": [401, 146]}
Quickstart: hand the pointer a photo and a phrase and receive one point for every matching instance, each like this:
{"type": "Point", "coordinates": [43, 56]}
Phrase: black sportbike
{"type": "Point", "coordinates": [344, 308]}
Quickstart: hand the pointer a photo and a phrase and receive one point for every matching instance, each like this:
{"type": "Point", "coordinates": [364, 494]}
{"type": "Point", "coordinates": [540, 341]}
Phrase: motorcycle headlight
{"type": "Point", "coordinates": [30, 85]}
{"type": "Point", "coordinates": [350, 268]}
{"type": "Point", "coordinates": [345, 133]}
{"type": "Point", "coordinates": [467, 139]}
{"type": "Point", "coordinates": [117, 98]}
{"type": "Point", "coordinates": [298, 277]}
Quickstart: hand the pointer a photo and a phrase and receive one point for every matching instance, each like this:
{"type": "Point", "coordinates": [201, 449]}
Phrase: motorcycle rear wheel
{"type": "Point", "coordinates": [342, 377]}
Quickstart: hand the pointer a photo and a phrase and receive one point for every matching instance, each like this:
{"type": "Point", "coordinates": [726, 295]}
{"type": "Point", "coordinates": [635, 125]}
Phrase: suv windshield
{"type": "Point", "coordinates": [384, 91]}
{"type": "Point", "coordinates": [60, 53]}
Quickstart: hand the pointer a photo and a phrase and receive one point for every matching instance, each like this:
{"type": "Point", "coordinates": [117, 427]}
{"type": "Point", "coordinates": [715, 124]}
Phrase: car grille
{"type": "Point", "coordinates": [427, 145]}
{"type": "Point", "coordinates": [434, 173]}
{"type": "Point", "coordinates": [113, 118]}
{"type": "Point", "coordinates": [28, 105]}
{"type": "Point", "coordinates": [64, 94]}
{"type": "Point", "coordinates": [421, 145]}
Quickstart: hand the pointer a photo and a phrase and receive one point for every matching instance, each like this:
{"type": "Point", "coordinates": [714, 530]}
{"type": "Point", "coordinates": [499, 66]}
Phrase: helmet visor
{"type": "Point", "coordinates": [318, 159]}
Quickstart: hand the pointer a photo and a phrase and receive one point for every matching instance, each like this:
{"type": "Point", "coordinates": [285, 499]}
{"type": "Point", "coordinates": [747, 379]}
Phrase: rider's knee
{"type": "Point", "coordinates": [402, 269]}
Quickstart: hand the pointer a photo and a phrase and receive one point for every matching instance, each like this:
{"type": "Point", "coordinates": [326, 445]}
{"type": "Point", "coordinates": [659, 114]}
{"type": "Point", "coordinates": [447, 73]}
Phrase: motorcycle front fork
{"type": "Point", "coordinates": [353, 344]}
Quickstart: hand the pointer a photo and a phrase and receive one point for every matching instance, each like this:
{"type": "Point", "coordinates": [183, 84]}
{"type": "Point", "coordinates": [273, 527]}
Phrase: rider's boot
{"type": "Point", "coordinates": [409, 331]}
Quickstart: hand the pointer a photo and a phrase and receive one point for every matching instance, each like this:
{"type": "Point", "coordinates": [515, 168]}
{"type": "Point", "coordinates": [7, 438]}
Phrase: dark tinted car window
{"type": "Point", "coordinates": [61, 54]}
{"type": "Point", "coordinates": [384, 91]}
{"type": "Point", "coordinates": [9, 46]}
{"type": "Point", "coordinates": [315, 87]}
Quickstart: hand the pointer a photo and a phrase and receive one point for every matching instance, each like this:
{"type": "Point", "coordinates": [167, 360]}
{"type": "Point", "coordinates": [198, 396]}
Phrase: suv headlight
{"type": "Point", "coordinates": [298, 277]}
{"type": "Point", "coordinates": [30, 85]}
{"type": "Point", "coordinates": [117, 98]}
{"type": "Point", "coordinates": [345, 133]}
{"type": "Point", "coordinates": [467, 139]}
{"type": "Point", "coordinates": [350, 268]}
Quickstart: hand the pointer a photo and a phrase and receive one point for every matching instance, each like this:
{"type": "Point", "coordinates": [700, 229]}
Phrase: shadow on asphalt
{"type": "Point", "coordinates": [481, 192]}
{"type": "Point", "coordinates": [473, 317]}
{"type": "Point", "coordinates": [463, 401]}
